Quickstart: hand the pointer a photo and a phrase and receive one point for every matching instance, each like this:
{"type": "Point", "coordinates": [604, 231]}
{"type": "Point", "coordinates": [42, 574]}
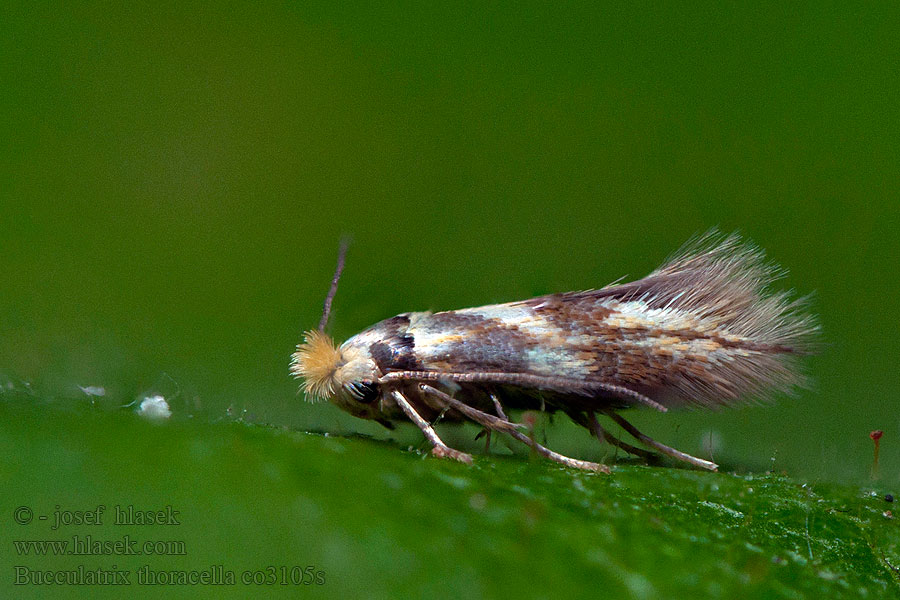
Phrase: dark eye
{"type": "Point", "coordinates": [363, 391]}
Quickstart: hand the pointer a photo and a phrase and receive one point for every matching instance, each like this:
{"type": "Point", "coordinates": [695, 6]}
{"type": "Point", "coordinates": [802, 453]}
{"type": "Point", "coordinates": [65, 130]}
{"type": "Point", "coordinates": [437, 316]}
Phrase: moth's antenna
{"type": "Point", "coordinates": [326, 311]}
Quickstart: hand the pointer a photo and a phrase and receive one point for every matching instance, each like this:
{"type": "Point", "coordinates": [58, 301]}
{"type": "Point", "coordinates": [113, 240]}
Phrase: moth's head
{"type": "Point", "coordinates": [345, 375]}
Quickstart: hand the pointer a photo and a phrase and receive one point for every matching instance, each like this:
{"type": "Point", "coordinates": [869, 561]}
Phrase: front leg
{"type": "Point", "coordinates": [439, 448]}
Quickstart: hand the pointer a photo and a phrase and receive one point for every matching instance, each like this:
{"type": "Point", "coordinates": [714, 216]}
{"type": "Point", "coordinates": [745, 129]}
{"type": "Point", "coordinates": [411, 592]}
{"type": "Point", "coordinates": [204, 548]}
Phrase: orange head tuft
{"type": "Point", "coordinates": [317, 361]}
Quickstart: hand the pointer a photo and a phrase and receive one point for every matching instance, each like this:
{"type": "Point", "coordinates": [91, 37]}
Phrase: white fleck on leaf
{"type": "Point", "coordinates": [154, 408]}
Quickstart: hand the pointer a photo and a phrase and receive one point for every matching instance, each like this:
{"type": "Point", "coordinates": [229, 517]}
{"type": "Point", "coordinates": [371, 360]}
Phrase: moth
{"type": "Point", "coordinates": [703, 330]}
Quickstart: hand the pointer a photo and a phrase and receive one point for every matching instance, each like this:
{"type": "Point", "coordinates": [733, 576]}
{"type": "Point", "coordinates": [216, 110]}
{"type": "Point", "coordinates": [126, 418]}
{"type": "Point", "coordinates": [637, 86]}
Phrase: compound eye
{"type": "Point", "coordinates": [363, 392]}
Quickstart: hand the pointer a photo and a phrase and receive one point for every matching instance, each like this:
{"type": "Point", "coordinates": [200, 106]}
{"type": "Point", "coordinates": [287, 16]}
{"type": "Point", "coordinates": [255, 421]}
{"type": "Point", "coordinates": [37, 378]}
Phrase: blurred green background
{"type": "Point", "coordinates": [174, 182]}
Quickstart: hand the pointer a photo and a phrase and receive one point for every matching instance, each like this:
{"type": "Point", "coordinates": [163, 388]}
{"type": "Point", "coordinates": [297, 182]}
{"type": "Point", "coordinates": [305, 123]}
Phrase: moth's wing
{"type": "Point", "coordinates": [702, 329]}
{"type": "Point", "coordinates": [712, 296]}
{"type": "Point", "coordinates": [558, 346]}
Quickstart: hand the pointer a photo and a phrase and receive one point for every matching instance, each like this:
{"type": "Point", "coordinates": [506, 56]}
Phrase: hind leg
{"type": "Point", "coordinates": [668, 451]}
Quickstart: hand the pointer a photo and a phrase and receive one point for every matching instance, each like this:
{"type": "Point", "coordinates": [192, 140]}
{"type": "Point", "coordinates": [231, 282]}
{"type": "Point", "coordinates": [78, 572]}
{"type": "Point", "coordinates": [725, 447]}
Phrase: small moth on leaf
{"type": "Point", "coordinates": [702, 330]}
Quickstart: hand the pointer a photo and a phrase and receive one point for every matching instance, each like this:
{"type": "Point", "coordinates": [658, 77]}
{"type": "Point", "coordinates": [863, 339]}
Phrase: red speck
{"type": "Point", "coordinates": [876, 435]}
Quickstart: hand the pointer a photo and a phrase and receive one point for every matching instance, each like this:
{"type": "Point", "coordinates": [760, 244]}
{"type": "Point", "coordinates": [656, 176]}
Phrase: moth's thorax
{"type": "Point", "coordinates": [356, 363]}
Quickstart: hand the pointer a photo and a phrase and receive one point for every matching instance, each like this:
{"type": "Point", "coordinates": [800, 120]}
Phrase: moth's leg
{"type": "Point", "coordinates": [480, 417]}
{"type": "Point", "coordinates": [589, 422]}
{"type": "Point", "coordinates": [629, 394]}
{"type": "Point", "coordinates": [486, 434]}
{"type": "Point", "coordinates": [525, 380]}
{"type": "Point", "coordinates": [668, 451]}
{"type": "Point", "coordinates": [498, 424]}
{"type": "Point", "coordinates": [498, 407]}
{"type": "Point", "coordinates": [605, 436]}
{"type": "Point", "coordinates": [439, 449]}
